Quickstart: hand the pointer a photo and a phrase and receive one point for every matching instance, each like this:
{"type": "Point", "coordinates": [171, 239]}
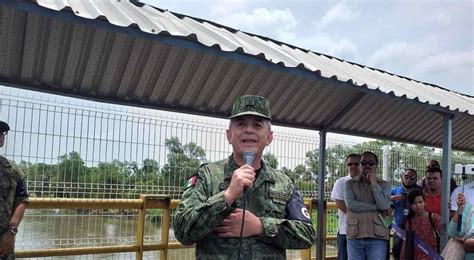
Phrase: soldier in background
{"type": "Point", "coordinates": [210, 213]}
{"type": "Point", "coordinates": [13, 200]}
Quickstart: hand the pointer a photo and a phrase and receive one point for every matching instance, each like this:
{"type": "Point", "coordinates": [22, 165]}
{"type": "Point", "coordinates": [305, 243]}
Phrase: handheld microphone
{"type": "Point", "coordinates": [249, 158]}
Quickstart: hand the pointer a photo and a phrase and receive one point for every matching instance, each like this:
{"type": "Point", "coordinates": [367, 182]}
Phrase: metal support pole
{"type": "Point", "coordinates": [386, 163]}
{"type": "Point", "coordinates": [321, 244]}
{"type": "Point", "coordinates": [447, 143]}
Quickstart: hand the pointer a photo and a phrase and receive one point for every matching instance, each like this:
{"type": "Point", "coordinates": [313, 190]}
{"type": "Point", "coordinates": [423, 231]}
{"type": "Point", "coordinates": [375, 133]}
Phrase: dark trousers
{"type": "Point", "coordinates": [341, 247]}
{"type": "Point", "coordinates": [397, 247]}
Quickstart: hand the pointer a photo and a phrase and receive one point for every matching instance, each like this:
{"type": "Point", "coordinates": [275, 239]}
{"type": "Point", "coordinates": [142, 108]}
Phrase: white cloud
{"type": "Point", "coordinates": [339, 12]}
{"type": "Point", "coordinates": [443, 18]}
{"type": "Point", "coordinates": [425, 61]}
{"type": "Point", "coordinates": [453, 70]}
{"type": "Point", "coordinates": [446, 61]}
{"type": "Point", "coordinates": [323, 43]}
{"type": "Point", "coordinates": [402, 53]}
{"type": "Point", "coordinates": [273, 23]}
{"type": "Point", "coordinates": [224, 8]}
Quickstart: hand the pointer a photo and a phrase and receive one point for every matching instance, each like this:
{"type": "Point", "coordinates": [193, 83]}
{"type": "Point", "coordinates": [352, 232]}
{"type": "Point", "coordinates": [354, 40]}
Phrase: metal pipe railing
{"type": "Point", "coordinates": [142, 204]}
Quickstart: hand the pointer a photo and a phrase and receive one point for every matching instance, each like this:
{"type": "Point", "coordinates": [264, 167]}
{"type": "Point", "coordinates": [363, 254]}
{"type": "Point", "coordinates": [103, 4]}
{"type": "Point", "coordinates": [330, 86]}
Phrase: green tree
{"type": "Point", "coordinates": [336, 163]}
{"type": "Point", "coordinates": [148, 174]}
{"type": "Point", "coordinates": [312, 164]}
{"type": "Point", "coordinates": [65, 178]}
{"type": "Point", "coordinates": [271, 160]}
{"type": "Point", "coordinates": [110, 177]}
{"type": "Point", "coordinates": [182, 162]}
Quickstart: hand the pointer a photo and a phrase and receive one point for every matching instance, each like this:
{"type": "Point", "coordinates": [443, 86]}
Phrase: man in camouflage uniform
{"type": "Point", "coordinates": [13, 200]}
{"type": "Point", "coordinates": [210, 213]}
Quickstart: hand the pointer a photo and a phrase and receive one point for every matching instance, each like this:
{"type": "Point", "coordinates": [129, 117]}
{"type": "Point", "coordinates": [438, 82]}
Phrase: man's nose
{"type": "Point", "coordinates": [249, 129]}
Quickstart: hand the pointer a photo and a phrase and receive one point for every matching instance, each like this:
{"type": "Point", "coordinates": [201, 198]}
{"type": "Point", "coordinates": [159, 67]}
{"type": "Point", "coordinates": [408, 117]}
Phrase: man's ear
{"type": "Point", "coordinates": [229, 135]}
{"type": "Point", "coordinates": [270, 138]}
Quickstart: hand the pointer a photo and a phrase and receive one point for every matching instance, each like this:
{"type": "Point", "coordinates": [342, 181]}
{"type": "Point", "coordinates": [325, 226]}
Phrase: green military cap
{"type": "Point", "coordinates": [251, 105]}
{"type": "Point", "coordinates": [4, 127]}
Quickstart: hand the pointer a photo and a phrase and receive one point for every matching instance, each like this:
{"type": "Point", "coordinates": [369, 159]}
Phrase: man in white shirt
{"type": "Point", "coordinates": [337, 195]}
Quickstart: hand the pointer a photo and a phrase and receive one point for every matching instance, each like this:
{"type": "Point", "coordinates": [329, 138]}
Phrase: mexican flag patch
{"type": "Point", "coordinates": [191, 181]}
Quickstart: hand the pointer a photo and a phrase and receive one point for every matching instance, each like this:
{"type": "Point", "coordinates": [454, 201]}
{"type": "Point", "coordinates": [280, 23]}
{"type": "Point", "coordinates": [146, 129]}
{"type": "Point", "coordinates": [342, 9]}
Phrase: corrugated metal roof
{"type": "Point", "coordinates": [120, 52]}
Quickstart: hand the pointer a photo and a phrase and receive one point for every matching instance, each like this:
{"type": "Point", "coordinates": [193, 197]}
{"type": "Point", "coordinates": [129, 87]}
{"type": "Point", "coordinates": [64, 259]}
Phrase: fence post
{"type": "Point", "coordinates": [165, 229]}
{"type": "Point", "coordinates": [386, 163]}
{"type": "Point", "coordinates": [306, 253]}
{"type": "Point", "coordinates": [141, 228]}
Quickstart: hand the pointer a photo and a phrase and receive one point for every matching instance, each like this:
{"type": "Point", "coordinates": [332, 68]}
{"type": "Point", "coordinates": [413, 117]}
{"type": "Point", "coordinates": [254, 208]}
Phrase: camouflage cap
{"type": "Point", "coordinates": [4, 127]}
{"type": "Point", "coordinates": [251, 105]}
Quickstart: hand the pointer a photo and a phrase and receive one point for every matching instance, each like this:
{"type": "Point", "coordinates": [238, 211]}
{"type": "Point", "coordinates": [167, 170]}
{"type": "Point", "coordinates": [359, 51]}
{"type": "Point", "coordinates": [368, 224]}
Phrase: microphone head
{"type": "Point", "coordinates": [249, 157]}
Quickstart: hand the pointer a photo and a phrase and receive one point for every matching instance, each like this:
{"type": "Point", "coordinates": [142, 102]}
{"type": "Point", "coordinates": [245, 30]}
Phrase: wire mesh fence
{"type": "Point", "coordinates": [81, 149]}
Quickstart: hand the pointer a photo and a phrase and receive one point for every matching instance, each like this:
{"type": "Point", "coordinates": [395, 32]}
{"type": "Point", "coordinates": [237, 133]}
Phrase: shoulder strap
{"type": "Point", "coordinates": [430, 215]}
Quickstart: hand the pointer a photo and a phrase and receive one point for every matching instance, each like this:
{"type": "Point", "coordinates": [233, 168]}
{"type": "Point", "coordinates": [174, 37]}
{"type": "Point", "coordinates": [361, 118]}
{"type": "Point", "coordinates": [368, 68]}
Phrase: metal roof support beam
{"type": "Point", "coordinates": [447, 143]}
{"type": "Point", "coordinates": [320, 244]}
{"type": "Point", "coordinates": [348, 107]}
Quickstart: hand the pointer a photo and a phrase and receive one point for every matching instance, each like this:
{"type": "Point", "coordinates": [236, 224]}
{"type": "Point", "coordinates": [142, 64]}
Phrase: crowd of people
{"type": "Point", "coordinates": [366, 205]}
{"type": "Point", "coordinates": [241, 208]}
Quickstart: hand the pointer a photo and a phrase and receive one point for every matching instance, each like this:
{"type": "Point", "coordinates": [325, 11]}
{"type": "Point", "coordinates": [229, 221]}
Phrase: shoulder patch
{"type": "Point", "coordinates": [191, 182]}
{"type": "Point", "coordinates": [296, 210]}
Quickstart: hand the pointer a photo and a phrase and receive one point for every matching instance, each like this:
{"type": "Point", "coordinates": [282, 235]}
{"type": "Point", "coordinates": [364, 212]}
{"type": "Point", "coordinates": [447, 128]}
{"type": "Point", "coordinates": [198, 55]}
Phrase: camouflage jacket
{"type": "Point", "coordinates": [272, 198]}
{"type": "Point", "coordinates": [10, 196]}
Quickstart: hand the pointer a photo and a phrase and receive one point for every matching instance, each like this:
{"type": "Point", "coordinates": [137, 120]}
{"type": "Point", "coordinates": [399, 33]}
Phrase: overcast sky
{"type": "Point", "coordinates": [430, 41]}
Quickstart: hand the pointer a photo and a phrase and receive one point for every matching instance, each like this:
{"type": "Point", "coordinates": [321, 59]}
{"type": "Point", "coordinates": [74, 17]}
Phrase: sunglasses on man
{"type": "Point", "coordinates": [409, 177]}
{"type": "Point", "coordinates": [355, 164]}
{"type": "Point", "coordinates": [370, 163]}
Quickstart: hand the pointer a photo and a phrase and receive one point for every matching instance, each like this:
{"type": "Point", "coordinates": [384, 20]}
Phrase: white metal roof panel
{"type": "Point", "coordinates": [159, 59]}
{"type": "Point", "coordinates": [124, 13]}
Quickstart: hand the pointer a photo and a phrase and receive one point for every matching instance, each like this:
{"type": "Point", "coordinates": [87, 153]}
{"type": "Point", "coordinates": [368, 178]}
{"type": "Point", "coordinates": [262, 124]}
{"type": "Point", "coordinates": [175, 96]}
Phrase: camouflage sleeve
{"type": "Point", "coordinates": [198, 213]}
{"type": "Point", "coordinates": [21, 194]}
{"type": "Point", "coordinates": [295, 231]}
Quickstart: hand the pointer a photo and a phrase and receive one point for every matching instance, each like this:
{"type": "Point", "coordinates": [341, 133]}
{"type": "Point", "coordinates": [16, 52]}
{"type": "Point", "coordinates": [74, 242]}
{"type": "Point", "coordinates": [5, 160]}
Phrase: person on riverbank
{"type": "Point", "coordinates": [236, 209]}
{"type": "Point", "coordinates": [13, 200]}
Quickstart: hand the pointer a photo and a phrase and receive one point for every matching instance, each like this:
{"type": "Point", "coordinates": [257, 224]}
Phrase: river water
{"type": "Point", "coordinates": [45, 229]}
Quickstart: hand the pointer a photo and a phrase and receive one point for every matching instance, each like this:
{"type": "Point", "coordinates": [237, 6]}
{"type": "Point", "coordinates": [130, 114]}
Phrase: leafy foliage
{"type": "Point", "coordinates": [182, 162]}
{"type": "Point", "coordinates": [71, 177]}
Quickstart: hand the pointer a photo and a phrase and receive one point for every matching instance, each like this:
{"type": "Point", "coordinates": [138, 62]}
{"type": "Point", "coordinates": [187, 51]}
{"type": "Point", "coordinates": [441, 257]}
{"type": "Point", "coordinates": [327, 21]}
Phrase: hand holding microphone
{"type": "Point", "coordinates": [249, 158]}
{"type": "Point", "coordinates": [242, 179]}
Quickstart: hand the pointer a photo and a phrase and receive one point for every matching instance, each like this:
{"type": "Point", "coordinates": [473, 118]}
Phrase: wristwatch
{"type": "Point", "coordinates": [13, 230]}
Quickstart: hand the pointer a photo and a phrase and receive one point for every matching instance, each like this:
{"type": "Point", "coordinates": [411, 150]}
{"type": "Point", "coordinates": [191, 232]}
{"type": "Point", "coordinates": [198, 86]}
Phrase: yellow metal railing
{"type": "Point", "coordinates": [142, 204]}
